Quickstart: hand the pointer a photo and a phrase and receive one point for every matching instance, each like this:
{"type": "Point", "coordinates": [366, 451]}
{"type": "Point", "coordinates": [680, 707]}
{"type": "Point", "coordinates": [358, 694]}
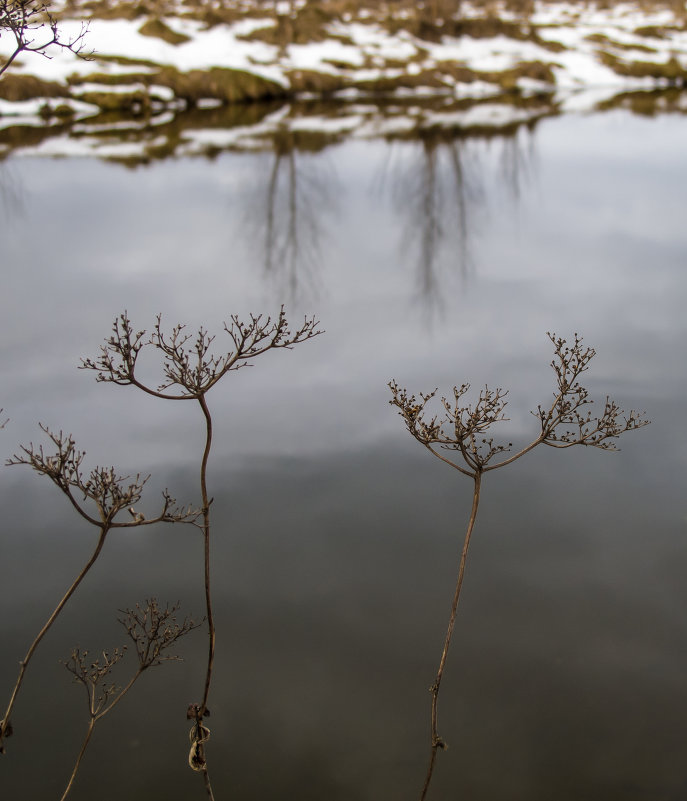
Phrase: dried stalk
{"type": "Point", "coordinates": [190, 371]}
{"type": "Point", "coordinates": [153, 630]}
{"type": "Point", "coordinates": [105, 495]}
{"type": "Point", "coordinates": [463, 430]}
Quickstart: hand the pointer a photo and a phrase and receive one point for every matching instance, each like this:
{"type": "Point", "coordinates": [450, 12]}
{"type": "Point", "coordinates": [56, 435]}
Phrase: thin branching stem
{"type": "Point", "coordinates": [437, 742]}
{"type": "Point", "coordinates": [94, 718]}
{"type": "Point", "coordinates": [105, 494]}
{"type": "Point", "coordinates": [153, 629]}
{"type": "Point", "coordinates": [23, 665]}
{"type": "Point", "coordinates": [463, 431]}
{"type": "Point", "coordinates": [190, 370]}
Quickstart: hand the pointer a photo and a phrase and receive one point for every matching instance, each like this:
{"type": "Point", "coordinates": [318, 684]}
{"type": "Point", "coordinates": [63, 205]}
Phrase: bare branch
{"type": "Point", "coordinates": [35, 30]}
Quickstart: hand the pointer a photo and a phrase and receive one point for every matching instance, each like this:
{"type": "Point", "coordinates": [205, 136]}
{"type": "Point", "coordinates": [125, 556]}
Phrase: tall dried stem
{"type": "Point", "coordinates": [463, 430]}
{"type": "Point", "coordinates": [190, 370]}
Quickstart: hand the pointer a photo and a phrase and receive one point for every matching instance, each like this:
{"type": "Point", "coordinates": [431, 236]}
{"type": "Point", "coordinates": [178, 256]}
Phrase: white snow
{"type": "Point", "coordinates": [495, 54]}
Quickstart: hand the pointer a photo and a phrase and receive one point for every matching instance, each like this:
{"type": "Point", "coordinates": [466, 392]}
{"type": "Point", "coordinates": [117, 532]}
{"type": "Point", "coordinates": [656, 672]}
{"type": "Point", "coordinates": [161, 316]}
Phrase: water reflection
{"type": "Point", "coordinates": [336, 548]}
{"type": "Point", "coordinates": [12, 195]}
{"type": "Point", "coordinates": [436, 191]}
{"type": "Point", "coordinates": [286, 212]}
{"type": "Point", "coordinates": [442, 189]}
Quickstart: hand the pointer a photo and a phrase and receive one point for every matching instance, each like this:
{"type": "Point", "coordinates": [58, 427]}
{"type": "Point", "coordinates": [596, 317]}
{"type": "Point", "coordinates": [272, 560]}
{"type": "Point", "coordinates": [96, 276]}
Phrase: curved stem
{"type": "Point", "coordinates": [84, 745]}
{"type": "Point", "coordinates": [437, 742]}
{"type": "Point", "coordinates": [206, 542]}
{"type": "Point", "coordinates": [4, 724]}
{"type": "Point", "coordinates": [208, 596]}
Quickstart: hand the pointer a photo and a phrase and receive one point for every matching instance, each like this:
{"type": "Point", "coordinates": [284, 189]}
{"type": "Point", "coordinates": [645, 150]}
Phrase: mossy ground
{"type": "Point", "coordinates": [16, 87]}
{"type": "Point", "coordinates": [157, 28]}
{"type": "Point", "coordinates": [671, 71]}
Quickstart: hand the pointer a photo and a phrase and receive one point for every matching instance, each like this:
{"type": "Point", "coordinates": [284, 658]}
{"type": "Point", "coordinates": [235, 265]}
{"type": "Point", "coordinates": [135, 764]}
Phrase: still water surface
{"type": "Point", "coordinates": [336, 536]}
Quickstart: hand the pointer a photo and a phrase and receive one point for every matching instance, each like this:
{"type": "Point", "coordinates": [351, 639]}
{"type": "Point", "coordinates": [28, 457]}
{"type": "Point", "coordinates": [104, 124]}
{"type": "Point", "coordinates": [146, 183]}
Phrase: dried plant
{"type": "Point", "coordinates": [190, 370]}
{"type": "Point", "coordinates": [462, 431]}
{"type": "Point", "coordinates": [34, 29]}
{"type": "Point", "coordinates": [98, 497]}
{"type": "Point", "coordinates": [153, 630]}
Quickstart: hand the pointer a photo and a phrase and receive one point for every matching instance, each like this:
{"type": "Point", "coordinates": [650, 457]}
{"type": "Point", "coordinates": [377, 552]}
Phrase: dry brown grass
{"type": "Point", "coordinates": [227, 85]}
{"type": "Point", "coordinates": [647, 104]}
{"type": "Point", "coordinates": [15, 87]}
{"type": "Point", "coordinates": [670, 70]}
{"type": "Point", "coordinates": [157, 28]}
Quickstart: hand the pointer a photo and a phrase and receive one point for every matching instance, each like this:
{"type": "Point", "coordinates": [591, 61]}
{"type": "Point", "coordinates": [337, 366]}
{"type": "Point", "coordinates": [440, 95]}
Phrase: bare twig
{"type": "Point", "coordinates": [35, 30]}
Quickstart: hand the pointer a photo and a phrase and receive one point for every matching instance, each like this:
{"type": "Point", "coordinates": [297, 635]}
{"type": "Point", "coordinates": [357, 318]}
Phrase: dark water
{"type": "Point", "coordinates": [336, 536]}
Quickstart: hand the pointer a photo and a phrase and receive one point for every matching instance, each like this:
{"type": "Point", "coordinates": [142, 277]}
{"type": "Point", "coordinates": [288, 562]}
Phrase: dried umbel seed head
{"type": "Point", "coordinates": [565, 422]}
{"type": "Point", "coordinates": [189, 366]}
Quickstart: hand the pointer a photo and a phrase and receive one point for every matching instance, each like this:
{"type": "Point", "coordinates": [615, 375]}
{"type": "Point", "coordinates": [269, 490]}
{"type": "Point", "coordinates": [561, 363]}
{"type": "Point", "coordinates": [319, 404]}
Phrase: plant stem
{"type": "Point", "coordinates": [206, 542]}
{"type": "Point", "coordinates": [208, 596]}
{"type": "Point", "coordinates": [95, 717]}
{"type": "Point", "coordinates": [208, 786]}
{"type": "Point", "coordinates": [4, 724]}
{"type": "Point", "coordinates": [437, 742]}
{"type": "Point", "coordinates": [84, 745]}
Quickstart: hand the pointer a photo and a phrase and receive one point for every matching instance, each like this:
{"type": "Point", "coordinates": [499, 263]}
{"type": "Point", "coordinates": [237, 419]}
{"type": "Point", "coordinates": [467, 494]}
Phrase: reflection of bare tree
{"type": "Point", "coordinates": [517, 160]}
{"type": "Point", "coordinates": [439, 189]}
{"type": "Point", "coordinates": [288, 210]}
{"type": "Point", "coordinates": [435, 194]}
{"type": "Point", "coordinates": [12, 194]}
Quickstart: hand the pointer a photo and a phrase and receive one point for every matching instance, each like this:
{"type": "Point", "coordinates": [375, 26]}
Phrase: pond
{"type": "Point", "coordinates": [336, 536]}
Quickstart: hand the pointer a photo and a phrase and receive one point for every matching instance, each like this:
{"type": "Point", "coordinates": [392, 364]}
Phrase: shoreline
{"type": "Point", "coordinates": [477, 73]}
